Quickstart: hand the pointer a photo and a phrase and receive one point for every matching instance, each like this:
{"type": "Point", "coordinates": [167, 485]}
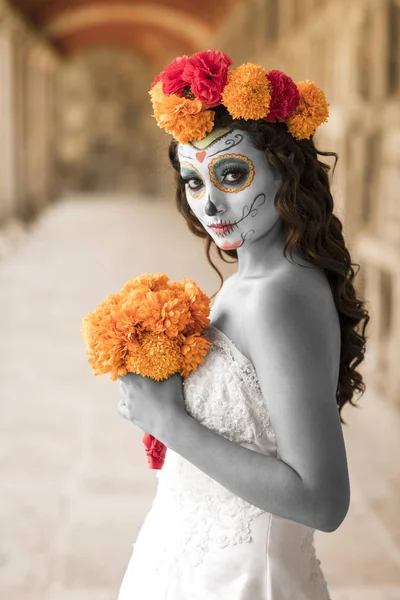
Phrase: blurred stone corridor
{"type": "Point", "coordinates": [75, 483]}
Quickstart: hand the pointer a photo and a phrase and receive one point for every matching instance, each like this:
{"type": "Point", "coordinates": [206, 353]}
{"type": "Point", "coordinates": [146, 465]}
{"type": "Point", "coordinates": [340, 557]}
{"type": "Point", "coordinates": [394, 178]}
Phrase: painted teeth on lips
{"type": "Point", "coordinates": [221, 224]}
{"type": "Point", "coordinates": [223, 228]}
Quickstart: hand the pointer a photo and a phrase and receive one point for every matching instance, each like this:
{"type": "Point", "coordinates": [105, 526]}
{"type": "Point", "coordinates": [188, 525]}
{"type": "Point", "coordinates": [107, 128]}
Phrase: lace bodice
{"type": "Point", "coordinates": [224, 395]}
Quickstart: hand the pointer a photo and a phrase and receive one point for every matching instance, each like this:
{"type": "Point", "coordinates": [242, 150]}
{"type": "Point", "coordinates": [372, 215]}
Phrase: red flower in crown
{"type": "Point", "coordinates": [172, 76]}
{"type": "Point", "coordinates": [206, 72]}
{"type": "Point", "coordinates": [285, 96]}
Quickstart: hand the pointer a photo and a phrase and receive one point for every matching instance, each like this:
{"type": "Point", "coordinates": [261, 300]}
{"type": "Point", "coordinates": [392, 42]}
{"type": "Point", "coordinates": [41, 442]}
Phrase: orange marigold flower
{"type": "Point", "coordinates": [194, 127]}
{"type": "Point", "coordinates": [154, 282]}
{"type": "Point", "coordinates": [247, 93]}
{"type": "Point", "coordinates": [311, 111]}
{"type": "Point", "coordinates": [194, 350]}
{"type": "Point", "coordinates": [159, 357]}
{"type": "Point", "coordinates": [163, 312]}
{"type": "Point", "coordinates": [109, 333]}
{"type": "Point", "coordinates": [199, 307]}
{"type": "Point", "coordinates": [182, 117]}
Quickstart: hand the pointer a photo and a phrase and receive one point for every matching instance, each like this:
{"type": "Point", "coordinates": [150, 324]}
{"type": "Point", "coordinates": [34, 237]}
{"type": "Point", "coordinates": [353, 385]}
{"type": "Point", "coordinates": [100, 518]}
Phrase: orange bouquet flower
{"type": "Point", "coordinates": [151, 327]}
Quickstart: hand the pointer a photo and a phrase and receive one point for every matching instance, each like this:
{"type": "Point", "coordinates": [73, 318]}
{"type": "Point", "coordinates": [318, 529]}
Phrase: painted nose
{"type": "Point", "coordinates": [213, 206]}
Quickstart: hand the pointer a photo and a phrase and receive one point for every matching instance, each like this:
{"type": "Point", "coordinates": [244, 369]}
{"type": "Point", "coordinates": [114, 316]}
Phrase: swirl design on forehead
{"type": "Point", "coordinates": [234, 189]}
{"type": "Point", "coordinates": [229, 143]}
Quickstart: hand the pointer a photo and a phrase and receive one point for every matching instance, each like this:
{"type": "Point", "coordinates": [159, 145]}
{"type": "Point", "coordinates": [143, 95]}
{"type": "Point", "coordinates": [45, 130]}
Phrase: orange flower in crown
{"type": "Point", "coordinates": [184, 94]}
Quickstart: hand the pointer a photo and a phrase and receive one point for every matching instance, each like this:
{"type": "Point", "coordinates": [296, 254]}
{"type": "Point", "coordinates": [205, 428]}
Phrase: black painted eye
{"type": "Point", "coordinates": [237, 174]}
{"type": "Point", "coordinates": [187, 181]}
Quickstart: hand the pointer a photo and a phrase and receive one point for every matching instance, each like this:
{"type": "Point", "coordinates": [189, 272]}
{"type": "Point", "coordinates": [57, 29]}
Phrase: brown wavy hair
{"type": "Point", "coordinates": [305, 205]}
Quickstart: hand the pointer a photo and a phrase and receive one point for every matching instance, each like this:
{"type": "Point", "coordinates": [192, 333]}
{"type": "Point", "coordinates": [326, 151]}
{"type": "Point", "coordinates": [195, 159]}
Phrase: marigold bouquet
{"type": "Point", "coordinates": [151, 327]}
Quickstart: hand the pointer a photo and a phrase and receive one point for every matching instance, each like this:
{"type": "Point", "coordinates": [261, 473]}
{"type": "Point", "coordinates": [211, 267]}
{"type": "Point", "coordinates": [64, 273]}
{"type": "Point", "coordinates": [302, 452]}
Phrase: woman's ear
{"type": "Point", "coordinates": [291, 157]}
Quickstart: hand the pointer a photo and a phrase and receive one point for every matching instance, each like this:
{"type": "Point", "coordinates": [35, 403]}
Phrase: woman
{"type": "Point", "coordinates": [260, 462]}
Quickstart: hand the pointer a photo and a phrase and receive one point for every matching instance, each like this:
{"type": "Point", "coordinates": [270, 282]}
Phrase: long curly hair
{"type": "Point", "coordinates": [305, 205]}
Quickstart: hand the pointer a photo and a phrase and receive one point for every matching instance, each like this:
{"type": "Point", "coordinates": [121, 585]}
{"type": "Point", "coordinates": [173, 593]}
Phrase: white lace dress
{"type": "Point", "coordinates": [199, 541]}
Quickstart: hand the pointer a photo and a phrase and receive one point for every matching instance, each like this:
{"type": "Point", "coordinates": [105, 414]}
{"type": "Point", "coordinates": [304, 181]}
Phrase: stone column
{"type": "Point", "coordinates": [7, 165]}
{"type": "Point", "coordinates": [36, 129]}
{"type": "Point", "coordinates": [20, 75]}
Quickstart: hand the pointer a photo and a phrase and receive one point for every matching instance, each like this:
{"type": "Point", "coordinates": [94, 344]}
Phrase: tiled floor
{"type": "Point", "coordinates": [75, 485]}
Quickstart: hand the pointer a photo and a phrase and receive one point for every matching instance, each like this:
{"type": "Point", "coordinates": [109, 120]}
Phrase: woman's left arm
{"type": "Point", "coordinates": [289, 337]}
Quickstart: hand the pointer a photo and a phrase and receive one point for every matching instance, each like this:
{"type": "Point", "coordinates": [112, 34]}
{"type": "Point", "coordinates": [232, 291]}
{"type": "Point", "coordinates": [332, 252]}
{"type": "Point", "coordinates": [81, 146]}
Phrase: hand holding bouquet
{"type": "Point", "coordinates": [152, 328]}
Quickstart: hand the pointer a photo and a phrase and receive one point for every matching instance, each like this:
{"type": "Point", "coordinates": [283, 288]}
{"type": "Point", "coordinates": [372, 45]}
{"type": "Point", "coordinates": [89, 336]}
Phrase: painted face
{"type": "Point", "coordinates": [228, 181]}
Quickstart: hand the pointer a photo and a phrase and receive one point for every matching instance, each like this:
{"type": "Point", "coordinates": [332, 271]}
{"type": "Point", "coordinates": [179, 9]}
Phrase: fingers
{"type": "Point", "coordinates": [123, 409]}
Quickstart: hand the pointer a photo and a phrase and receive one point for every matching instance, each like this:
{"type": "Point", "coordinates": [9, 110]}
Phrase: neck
{"type": "Point", "coordinates": [262, 256]}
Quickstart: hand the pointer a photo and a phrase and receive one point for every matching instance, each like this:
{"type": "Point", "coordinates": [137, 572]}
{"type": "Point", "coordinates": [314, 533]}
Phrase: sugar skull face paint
{"type": "Point", "coordinates": [230, 164]}
{"type": "Point", "coordinates": [233, 188]}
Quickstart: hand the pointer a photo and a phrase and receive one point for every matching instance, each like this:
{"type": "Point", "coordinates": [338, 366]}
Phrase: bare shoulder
{"type": "Point", "coordinates": [296, 302]}
{"type": "Point", "coordinates": [301, 293]}
{"type": "Point", "coordinates": [306, 281]}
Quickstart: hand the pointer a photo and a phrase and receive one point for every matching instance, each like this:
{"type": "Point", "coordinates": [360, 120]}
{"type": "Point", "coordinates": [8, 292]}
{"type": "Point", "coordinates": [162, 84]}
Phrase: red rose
{"type": "Point", "coordinates": [155, 451]}
{"type": "Point", "coordinates": [207, 73]}
{"type": "Point", "coordinates": [284, 98]}
{"type": "Point", "coordinates": [172, 76]}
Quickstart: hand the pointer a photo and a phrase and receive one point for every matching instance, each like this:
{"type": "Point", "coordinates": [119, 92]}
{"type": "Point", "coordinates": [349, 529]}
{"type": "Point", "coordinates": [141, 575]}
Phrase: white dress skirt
{"type": "Point", "coordinates": [199, 541]}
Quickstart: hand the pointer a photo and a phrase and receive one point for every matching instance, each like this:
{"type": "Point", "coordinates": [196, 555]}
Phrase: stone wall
{"type": "Point", "coordinates": [27, 71]}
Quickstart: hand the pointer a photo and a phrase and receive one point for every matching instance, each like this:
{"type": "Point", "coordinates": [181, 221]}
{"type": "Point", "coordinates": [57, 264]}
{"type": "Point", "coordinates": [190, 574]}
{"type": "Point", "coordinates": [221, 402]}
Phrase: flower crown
{"type": "Point", "coordinates": [184, 93]}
